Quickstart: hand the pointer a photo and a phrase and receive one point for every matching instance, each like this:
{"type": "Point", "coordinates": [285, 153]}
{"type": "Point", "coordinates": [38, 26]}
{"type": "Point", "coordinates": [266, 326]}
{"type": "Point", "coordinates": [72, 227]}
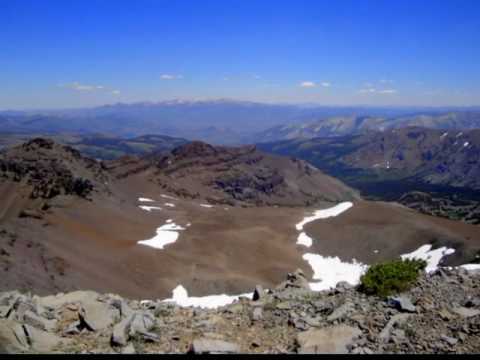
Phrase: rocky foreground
{"type": "Point", "coordinates": [441, 314]}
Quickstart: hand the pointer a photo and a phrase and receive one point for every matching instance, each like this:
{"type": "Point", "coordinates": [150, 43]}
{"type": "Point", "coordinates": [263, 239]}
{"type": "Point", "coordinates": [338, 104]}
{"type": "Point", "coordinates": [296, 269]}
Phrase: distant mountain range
{"type": "Point", "coordinates": [353, 124]}
{"type": "Point", "coordinates": [232, 122]}
{"type": "Point", "coordinates": [393, 162]}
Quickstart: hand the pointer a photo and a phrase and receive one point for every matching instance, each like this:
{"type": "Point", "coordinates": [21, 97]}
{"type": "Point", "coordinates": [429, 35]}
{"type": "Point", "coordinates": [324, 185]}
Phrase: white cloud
{"type": "Point", "coordinates": [171, 77]}
{"type": "Point", "coordinates": [386, 81]}
{"type": "Point", "coordinates": [81, 87]}
{"type": "Point", "coordinates": [325, 84]}
{"type": "Point", "coordinates": [388, 91]}
{"type": "Point", "coordinates": [367, 91]}
{"type": "Point", "coordinates": [377, 91]}
{"type": "Point", "coordinates": [308, 84]}
{"type": "Point", "coordinates": [76, 86]}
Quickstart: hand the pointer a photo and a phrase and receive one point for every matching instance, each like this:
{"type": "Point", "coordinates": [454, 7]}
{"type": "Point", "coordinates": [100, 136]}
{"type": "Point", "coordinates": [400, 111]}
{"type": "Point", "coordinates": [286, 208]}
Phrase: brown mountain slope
{"type": "Point", "coordinates": [233, 176]}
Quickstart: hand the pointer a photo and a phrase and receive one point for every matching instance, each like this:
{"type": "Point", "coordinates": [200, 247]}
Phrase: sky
{"type": "Point", "coordinates": [76, 53]}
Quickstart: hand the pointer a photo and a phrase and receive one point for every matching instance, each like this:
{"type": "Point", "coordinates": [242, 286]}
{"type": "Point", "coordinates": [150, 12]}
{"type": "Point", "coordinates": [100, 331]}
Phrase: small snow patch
{"type": "Point", "coordinates": [149, 208]}
{"type": "Point", "coordinates": [470, 267]}
{"type": "Point", "coordinates": [181, 298]}
{"type": "Point", "coordinates": [166, 234]}
{"type": "Point", "coordinates": [324, 214]}
{"type": "Point", "coordinates": [145, 200]}
{"type": "Point", "coordinates": [169, 204]}
{"type": "Point", "coordinates": [432, 257]}
{"type": "Point", "coordinates": [168, 197]}
{"type": "Point", "coordinates": [329, 271]}
{"type": "Point", "coordinates": [206, 205]}
{"type": "Point", "coordinates": [304, 239]}
{"type": "Point", "coordinates": [466, 144]}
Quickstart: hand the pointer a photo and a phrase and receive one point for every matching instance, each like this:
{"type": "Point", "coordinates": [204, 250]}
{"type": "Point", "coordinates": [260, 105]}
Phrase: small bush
{"type": "Point", "coordinates": [392, 276]}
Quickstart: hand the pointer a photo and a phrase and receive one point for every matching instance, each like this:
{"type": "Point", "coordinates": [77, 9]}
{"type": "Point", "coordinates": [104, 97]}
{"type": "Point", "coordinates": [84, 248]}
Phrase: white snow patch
{"type": "Point", "coordinates": [470, 267]}
{"type": "Point", "coordinates": [169, 221]}
{"type": "Point", "coordinates": [375, 251]}
{"type": "Point", "coordinates": [206, 205]}
{"type": "Point", "coordinates": [169, 204]}
{"type": "Point", "coordinates": [324, 214]}
{"type": "Point", "coordinates": [329, 271]}
{"type": "Point", "coordinates": [181, 298]}
{"type": "Point", "coordinates": [145, 200]}
{"type": "Point", "coordinates": [443, 135]}
{"type": "Point", "coordinates": [168, 197]}
{"type": "Point", "coordinates": [459, 134]}
{"type": "Point", "coordinates": [304, 239]}
{"type": "Point", "coordinates": [149, 208]}
{"type": "Point", "coordinates": [432, 257]}
{"type": "Point", "coordinates": [166, 234]}
{"type": "Point", "coordinates": [466, 144]}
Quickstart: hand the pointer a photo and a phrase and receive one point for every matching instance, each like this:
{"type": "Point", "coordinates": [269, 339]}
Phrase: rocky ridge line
{"type": "Point", "coordinates": [440, 314]}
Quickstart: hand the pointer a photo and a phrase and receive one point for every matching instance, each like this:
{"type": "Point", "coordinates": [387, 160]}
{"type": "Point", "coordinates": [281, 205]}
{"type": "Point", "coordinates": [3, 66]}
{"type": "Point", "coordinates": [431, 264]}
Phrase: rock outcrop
{"type": "Point", "coordinates": [440, 314]}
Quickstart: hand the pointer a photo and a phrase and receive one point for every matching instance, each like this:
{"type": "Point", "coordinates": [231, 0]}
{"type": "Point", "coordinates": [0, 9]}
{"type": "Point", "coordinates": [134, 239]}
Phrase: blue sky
{"type": "Point", "coordinates": [84, 53]}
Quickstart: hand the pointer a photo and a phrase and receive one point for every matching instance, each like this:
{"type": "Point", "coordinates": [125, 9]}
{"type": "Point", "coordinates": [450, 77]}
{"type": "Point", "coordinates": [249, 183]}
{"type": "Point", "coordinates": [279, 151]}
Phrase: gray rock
{"type": "Point", "coordinates": [402, 303]}
{"type": "Point", "coordinates": [465, 312]}
{"type": "Point", "coordinates": [342, 286]}
{"type": "Point", "coordinates": [257, 314]}
{"type": "Point", "coordinates": [129, 349]}
{"type": "Point", "coordinates": [12, 337]}
{"type": "Point", "coordinates": [311, 321]}
{"type": "Point", "coordinates": [329, 340]}
{"type": "Point", "coordinates": [96, 314]}
{"type": "Point", "coordinates": [4, 311]}
{"type": "Point", "coordinates": [341, 312]}
{"type": "Point", "coordinates": [42, 341]}
{"type": "Point", "coordinates": [121, 331]}
{"type": "Point", "coordinates": [394, 321]}
{"type": "Point", "coordinates": [40, 323]}
{"type": "Point", "coordinates": [73, 329]}
{"type": "Point", "coordinates": [142, 323]}
{"type": "Point", "coordinates": [122, 306]}
{"type": "Point", "coordinates": [449, 340]}
{"type": "Point", "coordinates": [213, 346]}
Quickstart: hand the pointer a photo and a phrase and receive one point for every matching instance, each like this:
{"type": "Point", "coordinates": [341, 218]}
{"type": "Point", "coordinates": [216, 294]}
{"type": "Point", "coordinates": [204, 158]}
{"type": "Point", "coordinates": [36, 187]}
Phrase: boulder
{"type": "Point", "coordinates": [129, 349]}
{"type": "Point", "coordinates": [257, 314]}
{"type": "Point", "coordinates": [38, 322]}
{"type": "Point", "coordinates": [42, 341]}
{"type": "Point", "coordinates": [402, 303]}
{"type": "Point", "coordinates": [394, 321]}
{"type": "Point", "coordinates": [94, 314]}
{"type": "Point", "coordinates": [213, 346]}
{"type": "Point", "coordinates": [465, 312]}
{"type": "Point", "coordinates": [142, 323]}
{"type": "Point", "coordinates": [329, 340]}
{"type": "Point", "coordinates": [341, 311]}
{"type": "Point", "coordinates": [121, 331]}
{"type": "Point", "coordinates": [12, 337]}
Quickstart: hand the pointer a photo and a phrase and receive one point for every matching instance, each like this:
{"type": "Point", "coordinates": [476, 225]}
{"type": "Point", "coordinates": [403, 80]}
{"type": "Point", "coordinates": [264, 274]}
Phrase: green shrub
{"type": "Point", "coordinates": [390, 277]}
